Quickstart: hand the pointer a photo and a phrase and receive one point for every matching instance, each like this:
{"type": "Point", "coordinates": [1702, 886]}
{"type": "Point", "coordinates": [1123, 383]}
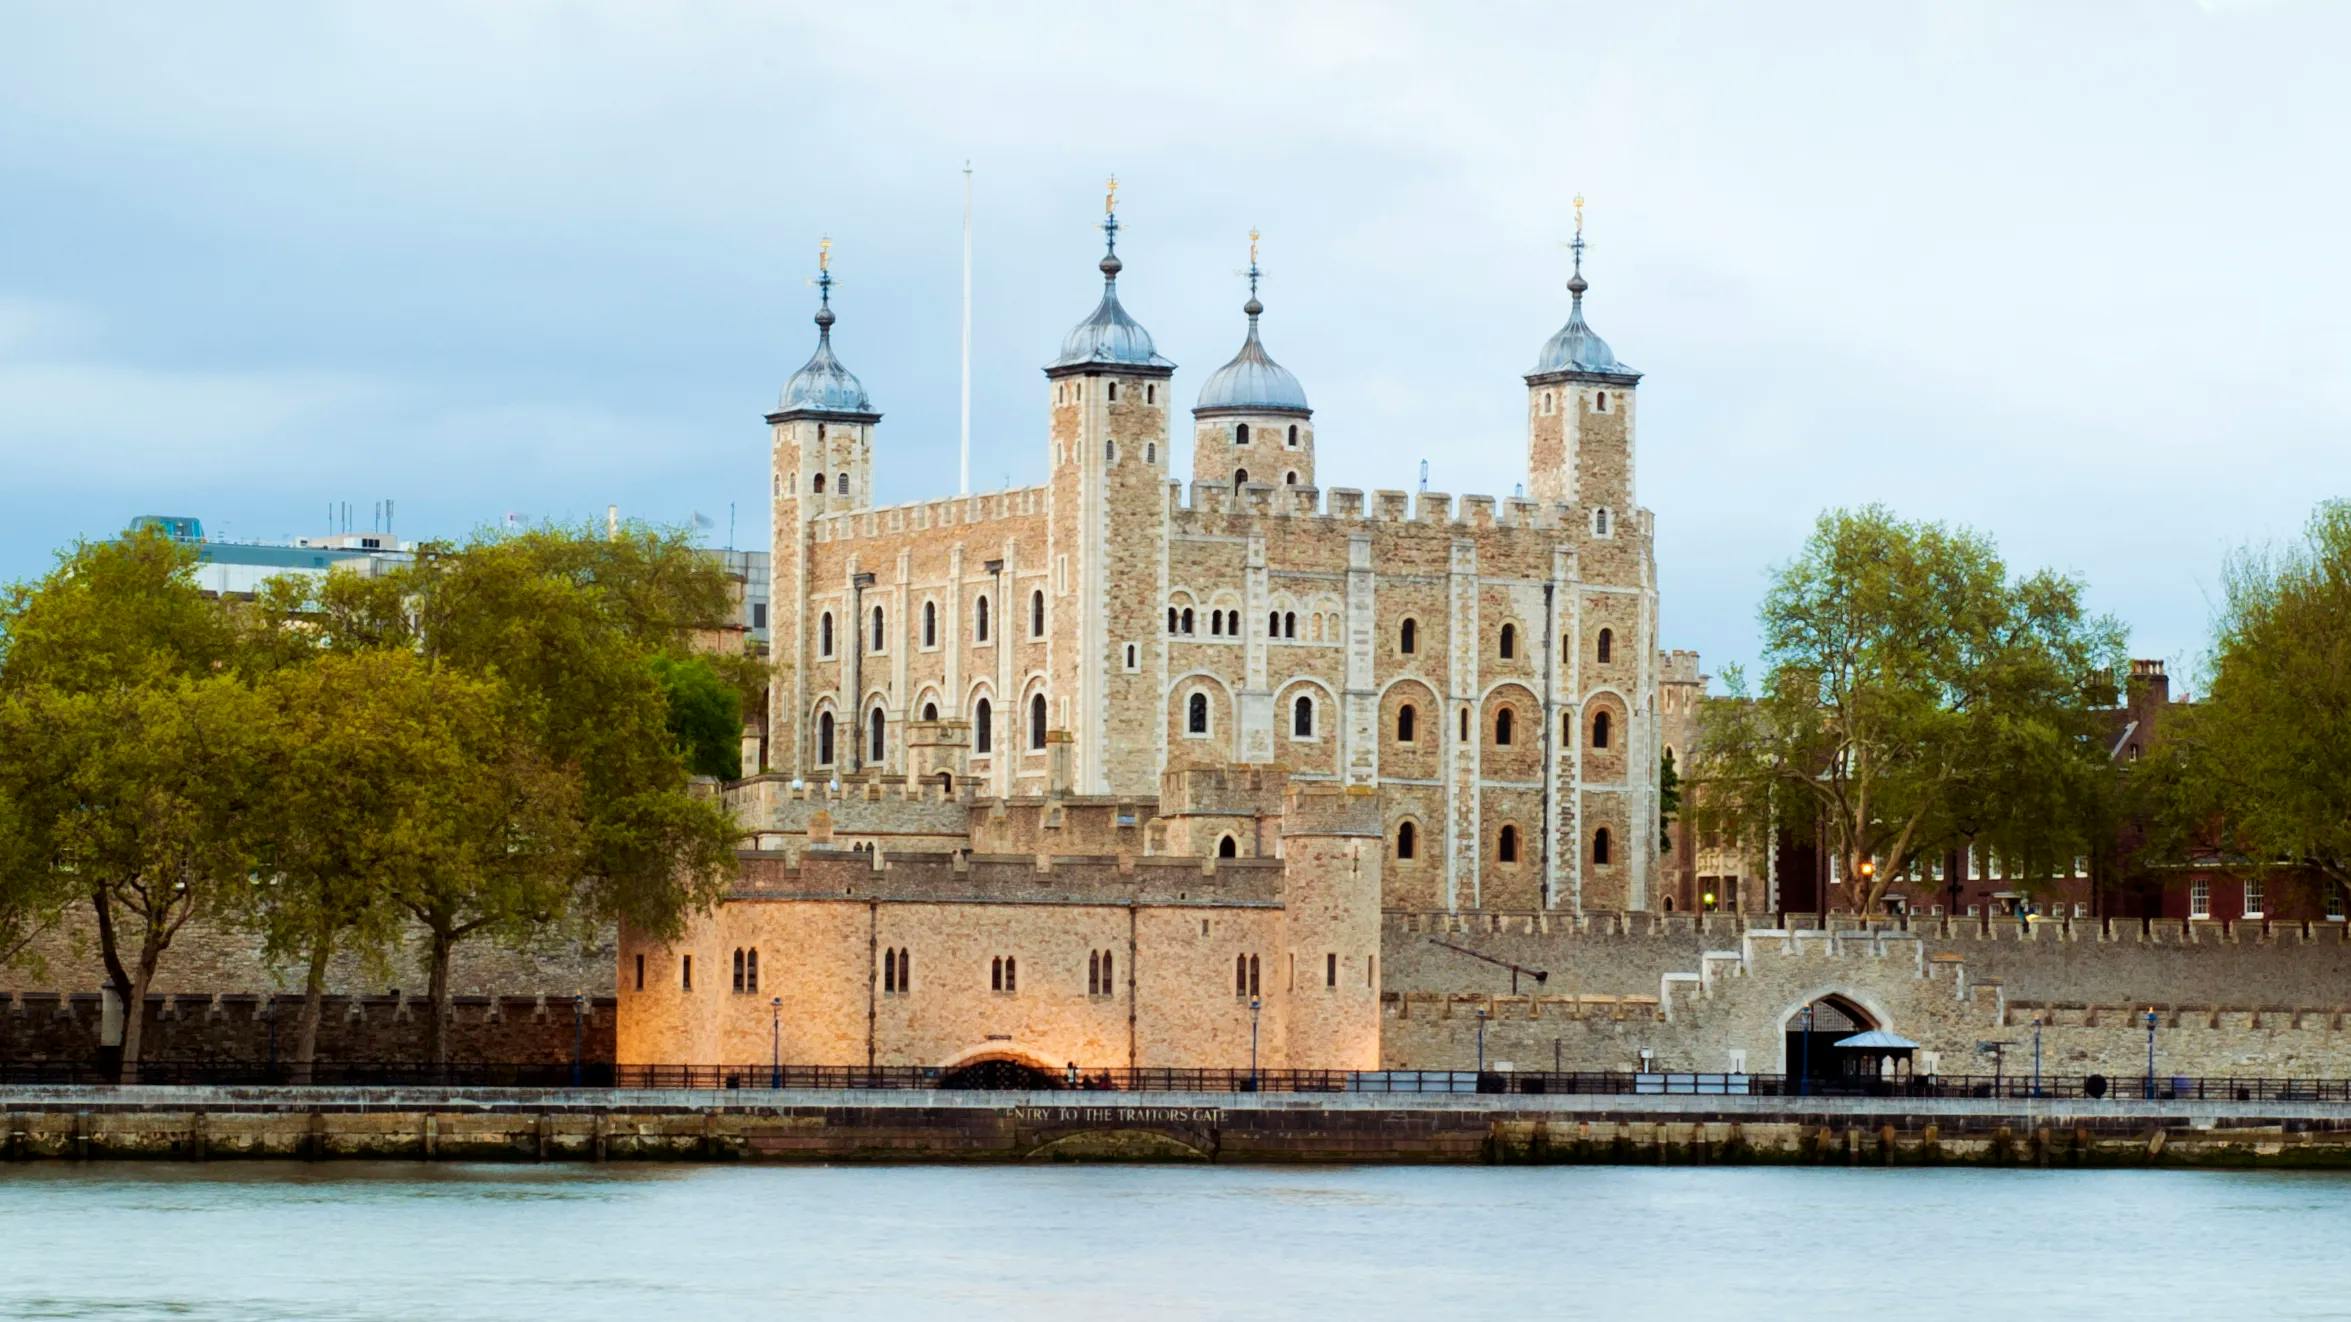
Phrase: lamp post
{"type": "Point", "coordinates": [2150, 1053]}
{"type": "Point", "coordinates": [775, 1043]}
{"type": "Point", "coordinates": [1804, 1072]}
{"type": "Point", "coordinates": [579, 1034]}
{"type": "Point", "coordinates": [1481, 1041]}
{"type": "Point", "coordinates": [1254, 1006]}
{"type": "Point", "coordinates": [2036, 1055]}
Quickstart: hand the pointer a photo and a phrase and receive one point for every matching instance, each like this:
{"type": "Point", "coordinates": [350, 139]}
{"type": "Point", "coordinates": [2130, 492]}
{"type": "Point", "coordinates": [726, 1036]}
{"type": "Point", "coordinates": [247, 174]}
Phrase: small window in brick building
{"type": "Point", "coordinates": [979, 620]}
{"type": "Point", "coordinates": [1405, 641]}
{"type": "Point", "coordinates": [1037, 723]}
{"type": "Point", "coordinates": [2199, 899]}
{"type": "Point", "coordinates": [1407, 722]}
{"type": "Point", "coordinates": [1601, 404]}
{"type": "Point", "coordinates": [824, 634]}
{"type": "Point", "coordinates": [1151, 394]}
{"type": "Point", "coordinates": [1302, 718]}
{"type": "Point", "coordinates": [1114, 392]}
{"type": "Point", "coordinates": [1132, 662]}
{"type": "Point", "coordinates": [1607, 644]}
{"type": "Point", "coordinates": [1011, 974]}
{"type": "Point", "coordinates": [1225, 848]}
{"type": "Point", "coordinates": [824, 739]}
{"type": "Point", "coordinates": [1600, 730]}
{"type": "Point", "coordinates": [1502, 730]}
{"type": "Point", "coordinates": [686, 973]}
{"type": "Point", "coordinates": [1293, 436]}
{"type": "Point", "coordinates": [820, 484]}
{"type": "Point", "coordinates": [1150, 452]}
{"type": "Point", "coordinates": [983, 727]}
{"type": "Point", "coordinates": [1600, 845]}
{"type": "Point", "coordinates": [738, 968]}
{"type": "Point", "coordinates": [877, 628]}
{"type": "Point", "coordinates": [1240, 975]}
{"type": "Point", "coordinates": [751, 969]}
{"type": "Point", "coordinates": [1506, 845]}
{"type": "Point", "coordinates": [1509, 641]}
{"type": "Point", "coordinates": [1407, 840]}
{"type": "Point", "coordinates": [1330, 970]}
{"type": "Point", "coordinates": [930, 624]}
{"type": "Point", "coordinates": [1240, 433]}
{"type": "Point", "coordinates": [1036, 615]}
{"type": "Point", "coordinates": [930, 711]}
{"type": "Point", "coordinates": [905, 971]}
{"type": "Point", "coordinates": [1196, 714]}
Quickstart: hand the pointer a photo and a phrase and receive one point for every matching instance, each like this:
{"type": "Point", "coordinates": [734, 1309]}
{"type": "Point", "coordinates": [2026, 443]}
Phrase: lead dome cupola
{"type": "Point", "coordinates": [1252, 382]}
{"type": "Point", "coordinates": [1109, 337]}
{"type": "Point", "coordinates": [1577, 349]}
{"type": "Point", "coordinates": [822, 385]}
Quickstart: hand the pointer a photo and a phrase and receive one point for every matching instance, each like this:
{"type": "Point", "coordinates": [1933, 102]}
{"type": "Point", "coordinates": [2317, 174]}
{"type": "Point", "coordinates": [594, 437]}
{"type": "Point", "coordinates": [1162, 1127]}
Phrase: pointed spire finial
{"type": "Point", "coordinates": [824, 286]}
{"type": "Point", "coordinates": [1253, 307]}
{"type": "Point", "coordinates": [1110, 264]}
{"type": "Point", "coordinates": [1575, 283]}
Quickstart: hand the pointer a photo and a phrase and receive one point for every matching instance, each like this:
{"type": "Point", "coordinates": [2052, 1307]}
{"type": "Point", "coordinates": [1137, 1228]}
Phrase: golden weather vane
{"type": "Point", "coordinates": [1579, 215]}
{"type": "Point", "coordinates": [1253, 245]}
{"type": "Point", "coordinates": [1110, 196]}
{"type": "Point", "coordinates": [824, 253]}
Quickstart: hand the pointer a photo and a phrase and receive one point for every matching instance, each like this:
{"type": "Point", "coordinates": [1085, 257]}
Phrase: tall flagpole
{"type": "Point", "coordinates": [964, 486]}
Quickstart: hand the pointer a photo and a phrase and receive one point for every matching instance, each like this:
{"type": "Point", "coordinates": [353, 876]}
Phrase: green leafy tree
{"type": "Point", "coordinates": [1913, 695]}
{"type": "Point", "coordinates": [571, 623]}
{"type": "Point", "coordinates": [392, 777]}
{"type": "Point", "coordinates": [1669, 801]}
{"type": "Point", "coordinates": [705, 715]}
{"type": "Point", "coordinates": [132, 744]}
{"type": "Point", "coordinates": [2258, 774]}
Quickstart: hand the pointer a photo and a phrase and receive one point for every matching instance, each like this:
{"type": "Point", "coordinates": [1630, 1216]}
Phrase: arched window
{"type": "Point", "coordinates": [738, 968]}
{"type": "Point", "coordinates": [1407, 723]}
{"type": "Point", "coordinates": [1110, 452]}
{"type": "Point", "coordinates": [1196, 714]}
{"type": "Point", "coordinates": [1289, 624]}
{"type": "Point", "coordinates": [751, 969]}
{"type": "Point", "coordinates": [1290, 478]}
{"type": "Point", "coordinates": [1171, 619]}
{"type": "Point", "coordinates": [1036, 615]}
{"type": "Point", "coordinates": [1465, 725]}
{"type": "Point", "coordinates": [824, 634]}
{"type": "Point", "coordinates": [824, 739]}
{"type": "Point", "coordinates": [686, 973]}
{"type": "Point", "coordinates": [1600, 522]}
{"type": "Point", "coordinates": [877, 628]}
{"type": "Point", "coordinates": [979, 620]}
{"type": "Point", "coordinates": [1093, 973]}
{"type": "Point", "coordinates": [1600, 845]}
{"type": "Point", "coordinates": [1240, 433]}
{"type": "Point", "coordinates": [1109, 983]}
{"type": "Point", "coordinates": [1225, 848]}
{"type": "Point", "coordinates": [1509, 641]}
{"type": "Point", "coordinates": [1114, 392]}
{"type": "Point", "coordinates": [1293, 436]}
{"type": "Point", "coordinates": [841, 484]}
{"type": "Point", "coordinates": [1567, 729]}
{"type": "Point", "coordinates": [930, 624]}
{"type": "Point", "coordinates": [1503, 720]}
{"type": "Point", "coordinates": [1506, 845]}
{"type": "Point", "coordinates": [1240, 975]}
{"type": "Point", "coordinates": [1187, 621]}
{"type": "Point", "coordinates": [1037, 722]}
{"type": "Point", "coordinates": [1407, 840]}
{"type": "Point", "coordinates": [1273, 624]}
{"type": "Point", "coordinates": [1607, 644]}
{"type": "Point", "coordinates": [996, 974]}
{"type": "Point", "coordinates": [905, 971]}
{"type": "Point", "coordinates": [1254, 984]}
{"type": "Point", "coordinates": [820, 484]}
{"type": "Point", "coordinates": [1302, 717]}
{"type": "Point", "coordinates": [983, 727]}
{"type": "Point", "coordinates": [1240, 480]}
{"type": "Point", "coordinates": [874, 736]}
{"type": "Point", "coordinates": [1600, 730]}
{"type": "Point", "coordinates": [1011, 973]}
{"type": "Point", "coordinates": [889, 972]}
{"type": "Point", "coordinates": [1407, 637]}
{"type": "Point", "coordinates": [1602, 401]}
{"type": "Point", "coordinates": [930, 711]}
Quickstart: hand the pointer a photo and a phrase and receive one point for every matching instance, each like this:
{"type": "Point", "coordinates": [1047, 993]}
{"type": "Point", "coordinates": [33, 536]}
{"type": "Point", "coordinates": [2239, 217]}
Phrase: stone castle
{"type": "Point", "coordinates": [1190, 739]}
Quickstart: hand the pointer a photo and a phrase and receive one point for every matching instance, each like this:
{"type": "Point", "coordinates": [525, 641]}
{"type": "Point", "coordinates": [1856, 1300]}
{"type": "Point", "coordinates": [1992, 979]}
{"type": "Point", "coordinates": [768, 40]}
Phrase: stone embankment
{"type": "Point", "coordinates": [198, 1124]}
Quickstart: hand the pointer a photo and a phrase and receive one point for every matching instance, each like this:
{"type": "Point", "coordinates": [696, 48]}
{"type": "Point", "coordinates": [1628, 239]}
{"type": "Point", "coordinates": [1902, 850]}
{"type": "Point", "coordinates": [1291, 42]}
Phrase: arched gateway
{"type": "Point", "coordinates": [1000, 1073]}
{"type": "Point", "coordinates": [1821, 1048]}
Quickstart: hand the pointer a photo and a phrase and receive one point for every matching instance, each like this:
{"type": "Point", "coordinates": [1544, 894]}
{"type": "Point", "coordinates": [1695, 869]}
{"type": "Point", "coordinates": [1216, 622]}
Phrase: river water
{"type": "Point", "coordinates": [1114, 1242]}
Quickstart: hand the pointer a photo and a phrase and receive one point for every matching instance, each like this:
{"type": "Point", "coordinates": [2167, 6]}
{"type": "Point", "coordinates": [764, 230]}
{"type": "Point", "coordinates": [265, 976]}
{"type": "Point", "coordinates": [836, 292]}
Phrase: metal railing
{"type": "Point", "coordinates": [1001, 1078]}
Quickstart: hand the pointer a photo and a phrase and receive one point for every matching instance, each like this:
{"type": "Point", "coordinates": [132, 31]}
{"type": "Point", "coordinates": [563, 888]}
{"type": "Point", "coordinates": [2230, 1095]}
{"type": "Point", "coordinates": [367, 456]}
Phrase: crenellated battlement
{"type": "Point", "coordinates": [974, 510]}
{"type": "Point", "coordinates": [1212, 500]}
{"type": "Point", "coordinates": [825, 873]}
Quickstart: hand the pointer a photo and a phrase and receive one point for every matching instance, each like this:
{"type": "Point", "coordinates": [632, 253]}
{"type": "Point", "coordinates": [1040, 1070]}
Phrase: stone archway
{"type": "Point", "coordinates": [1001, 1071]}
{"type": "Point", "coordinates": [1812, 1053]}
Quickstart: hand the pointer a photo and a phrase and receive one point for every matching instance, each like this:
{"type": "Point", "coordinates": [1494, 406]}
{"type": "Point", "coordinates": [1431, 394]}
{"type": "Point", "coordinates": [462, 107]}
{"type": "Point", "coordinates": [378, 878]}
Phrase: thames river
{"type": "Point", "coordinates": [1105, 1242]}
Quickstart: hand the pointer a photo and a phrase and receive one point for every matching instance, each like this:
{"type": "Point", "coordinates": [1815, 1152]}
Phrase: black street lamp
{"type": "Point", "coordinates": [775, 1042]}
{"type": "Point", "coordinates": [579, 1035]}
{"type": "Point", "coordinates": [1254, 1006]}
{"type": "Point", "coordinates": [2150, 1053]}
{"type": "Point", "coordinates": [1481, 1042]}
{"type": "Point", "coordinates": [1804, 1072]}
{"type": "Point", "coordinates": [2036, 1055]}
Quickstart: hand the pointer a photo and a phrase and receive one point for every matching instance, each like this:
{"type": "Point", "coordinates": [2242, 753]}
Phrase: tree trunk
{"type": "Point", "coordinates": [116, 975]}
{"type": "Point", "coordinates": [134, 1017]}
{"type": "Point", "coordinates": [437, 1033]}
{"type": "Point", "coordinates": [314, 988]}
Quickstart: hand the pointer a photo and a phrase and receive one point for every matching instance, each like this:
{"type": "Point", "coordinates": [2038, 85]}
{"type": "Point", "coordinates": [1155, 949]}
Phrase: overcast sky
{"type": "Point", "coordinates": [2071, 274]}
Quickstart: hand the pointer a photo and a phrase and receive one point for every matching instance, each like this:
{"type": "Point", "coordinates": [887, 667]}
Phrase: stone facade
{"type": "Point", "coordinates": [1488, 668]}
